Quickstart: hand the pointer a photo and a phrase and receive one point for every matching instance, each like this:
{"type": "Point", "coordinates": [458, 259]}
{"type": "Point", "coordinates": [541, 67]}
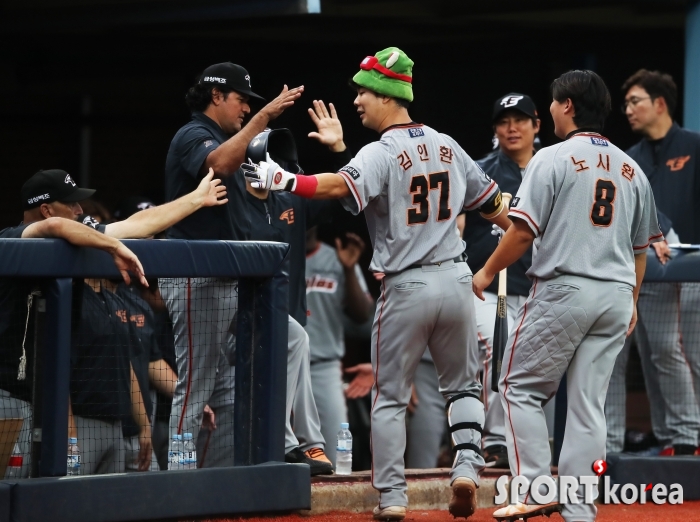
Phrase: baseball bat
{"type": "Point", "coordinates": [500, 328]}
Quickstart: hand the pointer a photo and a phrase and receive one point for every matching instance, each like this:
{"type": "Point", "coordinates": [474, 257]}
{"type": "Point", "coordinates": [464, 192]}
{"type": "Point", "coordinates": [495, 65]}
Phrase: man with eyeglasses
{"type": "Point", "coordinates": [668, 334]}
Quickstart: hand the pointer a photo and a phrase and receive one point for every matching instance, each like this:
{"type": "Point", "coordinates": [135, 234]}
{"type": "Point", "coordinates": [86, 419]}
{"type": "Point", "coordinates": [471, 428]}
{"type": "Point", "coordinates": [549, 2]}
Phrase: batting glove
{"type": "Point", "coordinates": [269, 175]}
{"type": "Point", "coordinates": [497, 231]}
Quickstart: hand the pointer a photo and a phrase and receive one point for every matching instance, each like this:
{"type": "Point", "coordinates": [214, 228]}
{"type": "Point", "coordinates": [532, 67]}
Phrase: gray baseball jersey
{"type": "Point", "coordinates": [586, 195]}
{"type": "Point", "coordinates": [411, 184]}
{"type": "Point", "coordinates": [325, 296]}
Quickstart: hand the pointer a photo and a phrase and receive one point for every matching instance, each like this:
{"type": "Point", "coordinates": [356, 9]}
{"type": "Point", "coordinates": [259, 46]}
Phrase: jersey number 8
{"type": "Point", "coordinates": [420, 187]}
{"type": "Point", "coordinates": [603, 198]}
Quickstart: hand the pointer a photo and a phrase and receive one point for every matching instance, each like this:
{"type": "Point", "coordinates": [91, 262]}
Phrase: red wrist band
{"type": "Point", "coordinates": [306, 186]}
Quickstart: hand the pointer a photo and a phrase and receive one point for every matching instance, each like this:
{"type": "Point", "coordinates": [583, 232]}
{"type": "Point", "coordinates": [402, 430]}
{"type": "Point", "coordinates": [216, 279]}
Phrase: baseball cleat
{"type": "Point", "coordinates": [315, 458]}
{"type": "Point", "coordinates": [521, 511]}
{"type": "Point", "coordinates": [389, 513]}
{"type": "Point", "coordinates": [463, 502]}
{"type": "Point", "coordinates": [496, 456]}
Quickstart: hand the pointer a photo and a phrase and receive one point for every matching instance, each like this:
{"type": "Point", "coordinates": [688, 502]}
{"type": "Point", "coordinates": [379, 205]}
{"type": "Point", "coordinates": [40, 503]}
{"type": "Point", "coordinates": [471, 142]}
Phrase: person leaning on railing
{"type": "Point", "coordinates": [50, 199]}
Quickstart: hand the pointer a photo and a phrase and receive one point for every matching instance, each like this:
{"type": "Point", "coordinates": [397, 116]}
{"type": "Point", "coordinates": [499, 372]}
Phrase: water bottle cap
{"type": "Point", "coordinates": [177, 436]}
{"type": "Point", "coordinates": [187, 436]}
{"type": "Point", "coordinates": [344, 426]}
{"type": "Point", "coordinates": [73, 440]}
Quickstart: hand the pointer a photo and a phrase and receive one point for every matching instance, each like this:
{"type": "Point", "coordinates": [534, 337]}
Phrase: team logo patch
{"type": "Point", "coordinates": [511, 101]}
{"type": "Point", "coordinates": [208, 143]}
{"type": "Point", "coordinates": [278, 177]}
{"type": "Point", "coordinates": [352, 171]}
{"type": "Point", "coordinates": [675, 164]}
{"type": "Point", "coordinates": [90, 221]}
{"type": "Point", "coordinates": [599, 141]}
{"type": "Point", "coordinates": [288, 216]}
{"type": "Point", "coordinates": [69, 180]}
{"type": "Point", "coordinates": [415, 132]}
{"type": "Point", "coordinates": [514, 202]}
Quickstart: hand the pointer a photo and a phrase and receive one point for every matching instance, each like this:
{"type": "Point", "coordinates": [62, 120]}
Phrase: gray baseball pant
{"type": "Point", "coordinates": [427, 425]}
{"type": "Point", "coordinates": [666, 364]}
{"type": "Point", "coordinates": [101, 446]}
{"type": "Point", "coordinates": [428, 306]}
{"type": "Point", "coordinates": [304, 430]}
{"type": "Point", "coordinates": [202, 311]}
{"type": "Point", "coordinates": [329, 397]}
{"type": "Point", "coordinates": [568, 324]}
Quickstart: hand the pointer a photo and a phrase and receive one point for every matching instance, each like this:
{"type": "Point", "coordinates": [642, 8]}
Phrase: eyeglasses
{"type": "Point", "coordinates": [633, 101]}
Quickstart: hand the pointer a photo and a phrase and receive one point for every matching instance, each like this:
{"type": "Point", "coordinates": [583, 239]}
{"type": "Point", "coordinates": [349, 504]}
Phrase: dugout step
{"type": "Point", "coordinates": [632, 469]}
{"type": "Point", "coordinates": [162, 495]}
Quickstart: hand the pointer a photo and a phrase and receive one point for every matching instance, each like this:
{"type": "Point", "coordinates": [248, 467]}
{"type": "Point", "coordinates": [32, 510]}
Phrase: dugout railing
{"type": "Point", "coordinates": [259, 481]}
{"type": "Point", "coordinates": [628, 467]}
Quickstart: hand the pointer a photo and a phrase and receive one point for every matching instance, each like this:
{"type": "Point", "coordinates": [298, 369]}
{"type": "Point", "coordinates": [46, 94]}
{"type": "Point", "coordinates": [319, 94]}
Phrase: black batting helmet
{"type": "Point", "coordinates": [280, 145]}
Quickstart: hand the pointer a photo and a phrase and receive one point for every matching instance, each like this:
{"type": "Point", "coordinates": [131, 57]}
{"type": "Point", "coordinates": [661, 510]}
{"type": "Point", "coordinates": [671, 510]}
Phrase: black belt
{"type": "Point", "coordinates": [459, 259]}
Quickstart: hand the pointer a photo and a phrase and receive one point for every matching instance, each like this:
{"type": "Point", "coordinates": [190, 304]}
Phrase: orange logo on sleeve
{"type": "Point", "coordinates": [288, 216]}
{"type": "Point", "coordinates": [675, 164]}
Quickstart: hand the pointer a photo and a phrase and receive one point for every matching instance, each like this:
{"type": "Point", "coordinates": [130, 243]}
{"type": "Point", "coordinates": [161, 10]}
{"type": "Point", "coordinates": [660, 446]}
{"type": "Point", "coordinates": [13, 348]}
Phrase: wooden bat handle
{"type": "Point", "coordinates": [503, 275]}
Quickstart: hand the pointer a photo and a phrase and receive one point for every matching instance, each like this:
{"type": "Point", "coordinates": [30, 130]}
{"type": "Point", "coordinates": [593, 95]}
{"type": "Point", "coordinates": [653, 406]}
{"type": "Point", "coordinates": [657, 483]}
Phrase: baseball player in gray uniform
{"type": "Point", "coordinates": [412, 184]}
{"type": "Point", "coordinates": [335, 287]}
{"type": "Point", "coordinates": [590, 213]}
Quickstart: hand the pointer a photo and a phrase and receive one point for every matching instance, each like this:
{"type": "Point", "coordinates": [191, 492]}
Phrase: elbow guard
{"type": "Point", "coordinates": [493, 206]}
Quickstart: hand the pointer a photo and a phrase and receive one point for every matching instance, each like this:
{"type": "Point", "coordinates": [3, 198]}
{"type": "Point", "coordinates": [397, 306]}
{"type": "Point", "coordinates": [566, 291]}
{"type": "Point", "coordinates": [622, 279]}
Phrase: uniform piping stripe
{"type": "Point", "coordinates": [189, 355]}
{"type": "Point", "coordinates": [532, 221]}
{"type": "Point", "coordinates": [351, 184]}
{"type": "Point", "coordinates": [657, 236]}
{"type": "Point", "coordinates": [206, 447]}
{"type": "Point", "coordinates": [376, 373]}
{"type": "Point", "coordinates": [486, 193]}
{"type": "Point", "coordinates": [505, 380]}
{"type": "Point", "coordinates": [489, 350]}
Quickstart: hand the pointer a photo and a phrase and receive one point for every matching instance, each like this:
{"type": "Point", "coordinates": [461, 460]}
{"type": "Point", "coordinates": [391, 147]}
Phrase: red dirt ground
{"type": "Point", "coordinates": [608, 513]}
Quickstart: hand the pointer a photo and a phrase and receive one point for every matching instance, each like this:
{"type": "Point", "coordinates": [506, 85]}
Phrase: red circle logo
{"type": "Point", "coordinates": [278, 177]}
{"type": "Point", "coordinates": [599, 467]}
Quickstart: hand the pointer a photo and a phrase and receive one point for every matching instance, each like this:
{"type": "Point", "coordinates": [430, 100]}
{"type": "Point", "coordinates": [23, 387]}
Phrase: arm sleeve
{"type": "Point", "coordinates": [195, 145]}
{"type": "Point", "coordinates": [533, 202]}
{"type": "Point", "coordinates": [480, 188]}
{"type": "Point", "coordinates": [365, 176]}
{"type": "Point", "coordinates": [648, 231]}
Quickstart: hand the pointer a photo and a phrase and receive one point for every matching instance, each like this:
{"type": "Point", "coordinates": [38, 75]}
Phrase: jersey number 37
{"type": "Point", "coordinates": [420, 187]}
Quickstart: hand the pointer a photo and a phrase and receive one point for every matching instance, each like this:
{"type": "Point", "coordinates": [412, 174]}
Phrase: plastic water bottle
{"type": "Point", "coordinates": [190, 452]}
{"type": "Point", "coordinates": [175, 454]}
{"type": "Point", "coordinates": [73, 464]}
{"type": "Point", "coordinates": [14, 465]}
{"type": "Point", "coordinates": [343, 458]}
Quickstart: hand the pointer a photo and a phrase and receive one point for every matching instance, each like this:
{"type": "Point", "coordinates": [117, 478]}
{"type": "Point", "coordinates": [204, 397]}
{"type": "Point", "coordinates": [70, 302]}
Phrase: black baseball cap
{"type": "Point", "coordinates": [228, 77]}
{"type": "Point", "coordinates": [47, 186]}
{"type": "Point", "coordinates": [514, 101]}
{"type": "Point", "coordinates": [132, 205]}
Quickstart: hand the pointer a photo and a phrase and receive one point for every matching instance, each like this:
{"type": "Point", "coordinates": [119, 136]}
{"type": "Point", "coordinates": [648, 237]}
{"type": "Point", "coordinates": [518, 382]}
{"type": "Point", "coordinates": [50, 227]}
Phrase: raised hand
{"type": "Point", "coordinates": [285, 100]}
{"type": "Point", "coordinates": [349, 254]}
{"type": "Point", "coordinates": [330, 131]}
{"type": "Point", "coordinates": [211, 191]}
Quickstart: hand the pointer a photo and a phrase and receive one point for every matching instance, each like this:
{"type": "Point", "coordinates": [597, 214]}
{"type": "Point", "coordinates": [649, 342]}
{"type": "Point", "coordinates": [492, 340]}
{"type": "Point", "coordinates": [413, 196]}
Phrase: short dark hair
{"type": "Point", "coordinates": [589, 95]}
{"type": "Point", "coordinates": [399, 101]}
{"type": "Point", "coordinates": [198, 97]}
{"type": "Point", "coordinates": [657, 84]}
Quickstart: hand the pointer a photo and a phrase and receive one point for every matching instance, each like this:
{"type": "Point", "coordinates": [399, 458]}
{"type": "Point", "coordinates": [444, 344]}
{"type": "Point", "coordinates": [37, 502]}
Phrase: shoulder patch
{"type": "Point", "coordinates": [352, 171]}
{"type": "Point", "coordinates": [415, 132]}
{"type": "Point", "coordinates": [599, 141]}
{"type": "Point", "coordinates": [90, 221]}
{"type": "Point", "coordinates": [514, 202]}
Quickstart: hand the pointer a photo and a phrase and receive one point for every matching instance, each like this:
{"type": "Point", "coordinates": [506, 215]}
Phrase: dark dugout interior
{"type": "Point", "coordinates": [97, 88]}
